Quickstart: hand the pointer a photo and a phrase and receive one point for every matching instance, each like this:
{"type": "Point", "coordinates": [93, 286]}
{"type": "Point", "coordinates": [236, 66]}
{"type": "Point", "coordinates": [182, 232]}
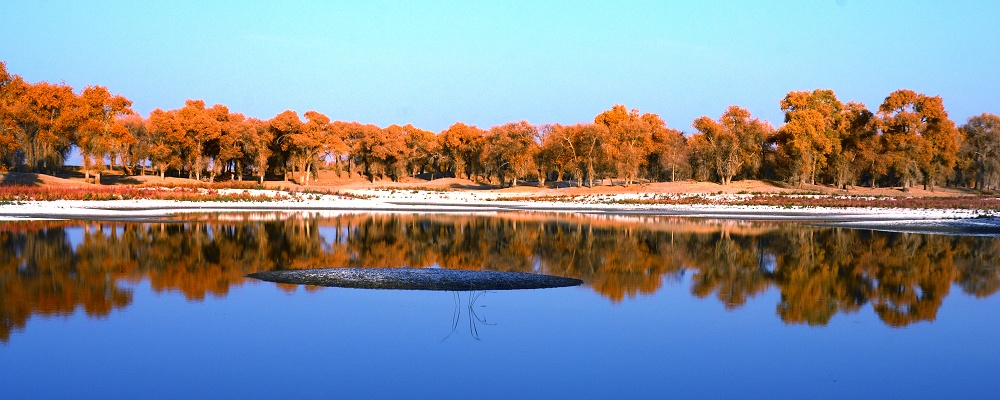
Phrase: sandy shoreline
{"type": "Point", "coordinates": [958, 221]}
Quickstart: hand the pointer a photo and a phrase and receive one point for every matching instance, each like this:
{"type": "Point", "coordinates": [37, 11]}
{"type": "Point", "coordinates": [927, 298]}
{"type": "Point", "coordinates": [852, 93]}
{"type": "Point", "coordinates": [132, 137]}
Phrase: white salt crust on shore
{"type": "Point", "coordinates": [473, 202]}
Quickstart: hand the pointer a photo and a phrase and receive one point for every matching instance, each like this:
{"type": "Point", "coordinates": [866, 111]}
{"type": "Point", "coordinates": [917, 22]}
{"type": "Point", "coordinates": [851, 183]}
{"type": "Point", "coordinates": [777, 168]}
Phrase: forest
{"type": "Point", "coordinates": [908, 140]}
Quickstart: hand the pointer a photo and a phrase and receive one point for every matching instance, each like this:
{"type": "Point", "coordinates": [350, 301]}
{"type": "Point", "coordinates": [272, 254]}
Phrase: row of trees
{"type": "Point", "coordinates": [908, 140]}
{"type": "Point", "coordinates": [40, 123]}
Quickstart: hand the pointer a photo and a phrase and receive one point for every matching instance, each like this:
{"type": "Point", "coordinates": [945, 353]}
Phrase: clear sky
{"type": "Point", "coordinates": [487, 63]}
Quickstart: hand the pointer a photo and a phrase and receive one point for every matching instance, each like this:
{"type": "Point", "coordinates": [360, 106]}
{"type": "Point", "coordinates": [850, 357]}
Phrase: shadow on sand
{"type": "Point", "coordinates": [20, 179]}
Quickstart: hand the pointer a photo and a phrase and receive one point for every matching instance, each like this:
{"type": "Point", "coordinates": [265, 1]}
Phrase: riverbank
{"type": "Point", "coordinates": [958, 220]}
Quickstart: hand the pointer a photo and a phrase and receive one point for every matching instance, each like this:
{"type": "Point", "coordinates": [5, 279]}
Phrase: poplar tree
{"type": "Point", "coordinates": [101, 131]}
{"type": "Point", "coordinates": [732, 145]}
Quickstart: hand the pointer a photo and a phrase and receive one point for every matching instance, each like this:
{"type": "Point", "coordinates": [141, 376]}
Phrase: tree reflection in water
{"type": "Point", "coordinates": [474, 319]}
{"type": "Point", "coordinates": [53, 268]}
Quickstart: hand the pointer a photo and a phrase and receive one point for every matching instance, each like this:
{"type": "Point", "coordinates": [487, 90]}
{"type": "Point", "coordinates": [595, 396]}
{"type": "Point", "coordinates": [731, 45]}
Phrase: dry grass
{"type": "Point", "coordinates": [16, 193]}
{"type": "Point", "coordinates": [965, 202]}
{"type": "Point", "coordinates": [24, 186]}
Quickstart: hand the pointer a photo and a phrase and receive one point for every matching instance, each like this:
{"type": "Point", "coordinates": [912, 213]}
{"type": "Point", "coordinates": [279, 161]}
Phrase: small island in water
{"type": "Point", "coordinates": [415, 279]}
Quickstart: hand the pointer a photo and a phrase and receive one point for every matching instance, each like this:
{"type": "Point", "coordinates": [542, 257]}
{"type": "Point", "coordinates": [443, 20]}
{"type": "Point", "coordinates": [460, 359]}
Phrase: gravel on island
{"type": "Point", "coordinates": [415, 279]}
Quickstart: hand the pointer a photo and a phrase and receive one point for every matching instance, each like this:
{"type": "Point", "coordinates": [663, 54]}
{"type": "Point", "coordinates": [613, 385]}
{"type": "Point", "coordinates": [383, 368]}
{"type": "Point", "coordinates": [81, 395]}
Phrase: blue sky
{"type": "Point", "coordinates": [434, 63]}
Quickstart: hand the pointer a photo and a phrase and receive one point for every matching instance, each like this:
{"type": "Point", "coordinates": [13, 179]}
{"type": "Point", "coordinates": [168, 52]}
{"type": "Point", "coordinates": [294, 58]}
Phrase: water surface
{"type": "Point", "coordinates": [669, 307]}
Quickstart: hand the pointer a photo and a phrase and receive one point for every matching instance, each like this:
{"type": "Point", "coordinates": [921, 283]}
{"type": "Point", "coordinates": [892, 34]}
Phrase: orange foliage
{"type": "Point", "coordinates": [821, 141]}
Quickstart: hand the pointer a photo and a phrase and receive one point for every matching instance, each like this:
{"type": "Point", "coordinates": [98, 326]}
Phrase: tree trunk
{"type": "Point", "coordinates": [590, 175]}
{"type": "Point", "coordinates": [812, 172]}
{"type": "Point", "coordinates": [308, 173]}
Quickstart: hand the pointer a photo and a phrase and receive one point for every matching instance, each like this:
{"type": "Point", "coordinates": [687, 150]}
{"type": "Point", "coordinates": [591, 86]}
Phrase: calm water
{"type": "Point", "coordinates": [670, 308]}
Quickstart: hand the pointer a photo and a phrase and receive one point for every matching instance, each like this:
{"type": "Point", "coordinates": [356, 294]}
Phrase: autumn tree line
{"type": "Point", "coordinates": [908, 140]}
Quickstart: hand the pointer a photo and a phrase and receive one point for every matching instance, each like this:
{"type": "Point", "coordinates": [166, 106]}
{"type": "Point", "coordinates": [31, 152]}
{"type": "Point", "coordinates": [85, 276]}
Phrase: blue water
{"type": "Point", "coordinates": [262, 340]}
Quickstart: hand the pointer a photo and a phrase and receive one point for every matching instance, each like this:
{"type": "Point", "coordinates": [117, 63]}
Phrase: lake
{"type": "Point", "coordinates": [670, 307]}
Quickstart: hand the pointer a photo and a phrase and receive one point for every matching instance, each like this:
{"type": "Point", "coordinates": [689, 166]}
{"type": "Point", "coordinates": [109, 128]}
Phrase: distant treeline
{"type": "Point", "coordinates": [908, 140]}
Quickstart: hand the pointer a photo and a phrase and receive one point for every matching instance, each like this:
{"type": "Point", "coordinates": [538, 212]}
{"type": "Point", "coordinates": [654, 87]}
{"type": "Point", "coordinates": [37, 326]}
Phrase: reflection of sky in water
{"type": "Point", "coordinates": [260, 341]}
{"type": "Point", "coordinates": [74, 236]}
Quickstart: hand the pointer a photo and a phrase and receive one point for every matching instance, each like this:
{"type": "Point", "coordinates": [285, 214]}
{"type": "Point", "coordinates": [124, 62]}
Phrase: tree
{"type": "Point", "coordinates": [309, 143]}
{"type": "Point", "coordinates": [859, 146]}
{"type": "Point", "coordinates": [101, 132]}
{"type": "Point", "coordinates": [165, 141]}
{"type": "Point", "coordinates": [257, 138]}
{"type": "Point", "coordinates": [136, 153]}
{"type": "Point", "coordinates": [230, 146]}
{"type": "Point", "coordinates": [731, 146]}
{"type": "Point", "coordinates": [510, 150]}
{"type": "Point", "coordinates": [811, 134]}
{"type": "Point", "coordinates": [284, 128]}
{"type": "Point", "coordinates": [561, 144]}
{"type": "Point", "coordinates": [335, 145]}
{"type": "Point", "coordinates": [217, 150]}
{"type": "Point", "coordinates": [41, 119]}
{"type": "Point", "coordinates": [200, 129]}
{"type": "Point", "coordinates": [383, 152]}
{"type": "Point", "coordinates": [943, 140]}
{"type": "Point", "coordinates": [424, 154]}
{"type": "Point", "coordinates": [920, 142]}
{"type": "Point", "coordinates": [629, 139]}
{"type": "Point", "coordinates": [234, 150]}
{"type": "Point", "coordinates": [8, 143]}
{"type": "Point", "coordinates": [583, 148]}
{"type": "Point", "coordinates": [462, 147]}
{"type": "Point", "coordinates": [670, 149]}
{"type": "Point", "coordinates": [981, 150]}
{"type": "Point", "coordinates": [551, 155]}
{"type": "Point", "coordinates": [345, 142]}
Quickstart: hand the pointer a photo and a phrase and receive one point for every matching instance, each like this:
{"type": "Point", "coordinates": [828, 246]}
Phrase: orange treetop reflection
{"type": "Point", "coordinates": [55, 267]}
